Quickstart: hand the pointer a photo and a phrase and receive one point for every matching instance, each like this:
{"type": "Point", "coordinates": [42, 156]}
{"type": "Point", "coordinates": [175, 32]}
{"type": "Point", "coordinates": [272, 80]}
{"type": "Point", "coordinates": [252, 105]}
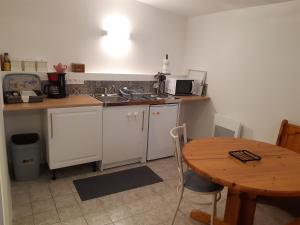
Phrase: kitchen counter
{"type": "Point", "coordinates": [126, 102]}
{"type": "Point", "coordinates": [114, 100]}
{"type": "Point", "coordinates": [85, 100]}
{"type": "Point", "coordinates": [193, 98]}
{"type": "Point", "coordinates": [70, 101]}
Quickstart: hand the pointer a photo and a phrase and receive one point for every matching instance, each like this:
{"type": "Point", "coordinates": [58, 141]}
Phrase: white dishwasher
{"type": "Point", "coordinates": [162, 118]}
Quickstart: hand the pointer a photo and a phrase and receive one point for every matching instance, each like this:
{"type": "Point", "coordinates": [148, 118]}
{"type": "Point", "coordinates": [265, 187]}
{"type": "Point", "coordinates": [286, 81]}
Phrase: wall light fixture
{"type": "Point", "coordinates": [116, 41]}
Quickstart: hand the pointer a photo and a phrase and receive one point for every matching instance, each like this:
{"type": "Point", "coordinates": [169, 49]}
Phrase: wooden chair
{"type": "Point", "coordinates": [289, 136]}
{"type": "Point", "coordinates": [191, 180]}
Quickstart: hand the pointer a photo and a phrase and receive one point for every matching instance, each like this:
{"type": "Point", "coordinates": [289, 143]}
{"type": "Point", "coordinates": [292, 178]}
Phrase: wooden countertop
{"type": "Point", "coordinates": [193, 98]}
{"type": "Point", "coordinates": [70, 101]}
{"type": "Point", "coordinates": [80, 100]}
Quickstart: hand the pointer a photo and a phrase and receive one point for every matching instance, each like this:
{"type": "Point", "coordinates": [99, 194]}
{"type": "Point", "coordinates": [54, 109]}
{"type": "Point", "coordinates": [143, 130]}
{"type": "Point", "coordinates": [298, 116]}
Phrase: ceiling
{"type": "Point", "coordinates": [198, 7]}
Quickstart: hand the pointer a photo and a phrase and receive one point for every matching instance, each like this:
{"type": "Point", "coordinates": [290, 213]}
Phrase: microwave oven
{"type": "Point", "coordinates": [179, 86]}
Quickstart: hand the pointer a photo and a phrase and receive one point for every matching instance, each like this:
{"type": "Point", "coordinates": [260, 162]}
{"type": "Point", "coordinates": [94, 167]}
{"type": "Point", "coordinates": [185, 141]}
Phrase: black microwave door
{"type": "Point", "coordinates": [184, 87]}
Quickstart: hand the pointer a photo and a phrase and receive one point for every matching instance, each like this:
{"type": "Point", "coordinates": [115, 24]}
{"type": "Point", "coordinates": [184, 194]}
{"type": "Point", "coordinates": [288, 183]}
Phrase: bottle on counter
{"type": "Point", "coordinates": [165, 65]}
{"type": "Point", "coordinates": [6, 63]}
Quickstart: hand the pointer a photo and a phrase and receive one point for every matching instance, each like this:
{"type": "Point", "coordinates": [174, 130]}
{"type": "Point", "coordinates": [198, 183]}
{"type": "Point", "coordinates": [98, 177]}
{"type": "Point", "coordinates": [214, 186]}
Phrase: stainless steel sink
{"type": "Point", "coordinates": [111, 98]}
{"type": "Point", "coordinates": [117, 100]}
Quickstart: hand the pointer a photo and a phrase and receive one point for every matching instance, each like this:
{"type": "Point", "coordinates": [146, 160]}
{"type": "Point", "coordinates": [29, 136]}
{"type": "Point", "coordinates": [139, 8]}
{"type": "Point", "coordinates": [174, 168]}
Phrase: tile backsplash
{"type": "Point", "coordinates": [92, 87]}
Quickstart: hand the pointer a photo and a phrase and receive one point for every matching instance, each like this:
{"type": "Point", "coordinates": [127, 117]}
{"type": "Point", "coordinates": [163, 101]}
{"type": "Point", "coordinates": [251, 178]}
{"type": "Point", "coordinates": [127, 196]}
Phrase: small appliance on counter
{"type": "Point", "coordinates": [160, 85]}
{"type": "Point", "coordinates": [179, 86]}
{"type": "Point", "coordinates": [56, 88]}
{"type": "Point", "coordinates": [19, 88]}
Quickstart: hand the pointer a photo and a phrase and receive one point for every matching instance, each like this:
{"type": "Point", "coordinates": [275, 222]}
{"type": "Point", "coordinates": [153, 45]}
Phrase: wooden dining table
{"type": "Point", "coordinates": [276, 174]}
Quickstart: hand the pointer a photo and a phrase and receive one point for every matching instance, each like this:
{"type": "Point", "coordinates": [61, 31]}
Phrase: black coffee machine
{"type": "Point", "coordinates": [56, 88]}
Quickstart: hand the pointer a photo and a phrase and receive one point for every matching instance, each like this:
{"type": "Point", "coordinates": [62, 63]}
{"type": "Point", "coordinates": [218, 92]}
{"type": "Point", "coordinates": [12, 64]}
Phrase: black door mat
{"type": "Point", "coordinates": [98, 186]}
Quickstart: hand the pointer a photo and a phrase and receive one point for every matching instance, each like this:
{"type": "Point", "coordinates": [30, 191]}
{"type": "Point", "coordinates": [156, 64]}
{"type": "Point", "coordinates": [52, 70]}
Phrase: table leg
{"type": "Point", "coordinates": [240, 208]}
{"type": "Point", "coordinates": [204, 217]}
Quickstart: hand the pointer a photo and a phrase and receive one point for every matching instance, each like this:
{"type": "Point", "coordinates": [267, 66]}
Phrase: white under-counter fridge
{"type": "Point", "coordinates": [162, 118]}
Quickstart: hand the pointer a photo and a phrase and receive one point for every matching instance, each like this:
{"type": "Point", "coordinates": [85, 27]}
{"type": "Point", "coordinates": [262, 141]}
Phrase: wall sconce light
{"type": "Point", "coordinates": [116, 32]}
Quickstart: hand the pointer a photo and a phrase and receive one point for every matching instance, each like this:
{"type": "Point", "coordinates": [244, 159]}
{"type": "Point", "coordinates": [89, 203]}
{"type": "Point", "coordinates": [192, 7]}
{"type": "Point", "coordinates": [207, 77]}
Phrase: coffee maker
{"type": "Point", "coordinates": [56, 88]}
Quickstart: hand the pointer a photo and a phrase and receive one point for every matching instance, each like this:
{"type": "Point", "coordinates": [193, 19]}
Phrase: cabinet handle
{"type": "Point", "coordinates": [143, 120]}
{"type": "Point", "coordinates": [51, 123]}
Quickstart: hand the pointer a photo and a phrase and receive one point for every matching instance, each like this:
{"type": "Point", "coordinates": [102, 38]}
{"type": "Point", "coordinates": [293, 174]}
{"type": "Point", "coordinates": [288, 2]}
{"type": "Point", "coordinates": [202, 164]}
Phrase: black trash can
{"type": "Point", "coordinates": [26, 156]}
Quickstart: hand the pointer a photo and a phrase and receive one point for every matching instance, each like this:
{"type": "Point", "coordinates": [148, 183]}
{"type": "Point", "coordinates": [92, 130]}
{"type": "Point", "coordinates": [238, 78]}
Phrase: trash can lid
{"type": "Point", "coordinates": [25, 139]}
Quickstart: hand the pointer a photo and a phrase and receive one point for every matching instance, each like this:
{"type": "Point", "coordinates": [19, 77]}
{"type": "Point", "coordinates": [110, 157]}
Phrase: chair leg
{"type": "Point", "coordinates": [177, 206]}
{"type": "Point", "coordinates": [213, 208]}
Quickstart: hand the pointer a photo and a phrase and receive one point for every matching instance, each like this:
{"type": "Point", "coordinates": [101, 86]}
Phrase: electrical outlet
{"type": "Point", "coordinates": [74, 81]}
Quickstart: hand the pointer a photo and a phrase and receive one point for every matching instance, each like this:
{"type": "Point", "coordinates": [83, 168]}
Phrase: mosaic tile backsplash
{"type": "Point", "coordinates": [111, 87]}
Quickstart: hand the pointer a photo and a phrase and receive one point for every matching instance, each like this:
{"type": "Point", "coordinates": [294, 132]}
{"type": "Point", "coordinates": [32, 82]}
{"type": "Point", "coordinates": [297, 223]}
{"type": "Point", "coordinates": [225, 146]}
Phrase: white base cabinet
{"type": "Point", "coordinates": [162, 118]}
{"type": "Point", "coordinates": [73, 135]}
{"type": "Point", "coordinates": [125, 130]}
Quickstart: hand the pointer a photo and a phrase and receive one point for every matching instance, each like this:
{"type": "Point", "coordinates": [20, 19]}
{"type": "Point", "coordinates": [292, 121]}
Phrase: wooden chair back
{"type": "Point", "coordinates": [289, 136]}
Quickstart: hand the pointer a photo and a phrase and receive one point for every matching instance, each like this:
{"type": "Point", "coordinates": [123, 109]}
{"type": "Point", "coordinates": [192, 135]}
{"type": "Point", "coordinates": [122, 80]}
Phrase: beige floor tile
{"type": "Point", "coordinates": [68, 213]}
{"type": "Point", "coordinates": [127, 221]}
{"type": "Point", "coordinates": [144, 192]}
{"type": "Point", "coordinates": [138, 207]}
{"type": "Point", "coordinates": [118, 213]}
{"type": "Point", "coordinates": [46, 218]}
{"type": "Point", "coordinates": [40, 193]}
{"type": "Point", "coordinates": [38, 186]}
{"type": "Point", "coordinates": [129, 196]}
{"type": "Point", "coordinates": [170, 198]}
{"type": "Point", "coordinates": [97, 219]}
{"type": "Point", "coordinates": [161, 188]}
{"type": "Point", "coordinates": [20, 198]}
{"type": "Point", "coordinates": [155, 201]}
{"type": "Point", "coordinates": [77, 221]}
{"type": "Point", "coordinates": [65, 201]}
{"type": "Point", "coordinates": [111, 201]}
{"type": "Point", "coordinates": [60, 188]}
{"type": "Point", "coordinates": [162, 214]}
{"type": "Point", "coordinates": [27, 220]}
{"type": "Point", "coordinates": [172, 183]}
{"type": "Point", "coordinates": [19, 188]}
{"type": "Point", "coordinates": [146, 219]}
{"type": "Point", "coordinates": [43, 206]}
{"type": "Point", "coordinates": [22, 210]}
{"type": "Point", "coordinates": [91, 206]}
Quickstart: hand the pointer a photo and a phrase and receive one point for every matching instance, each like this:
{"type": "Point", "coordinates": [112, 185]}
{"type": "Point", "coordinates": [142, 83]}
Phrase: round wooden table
{"type": "Point", "coordinates": [276, 174]}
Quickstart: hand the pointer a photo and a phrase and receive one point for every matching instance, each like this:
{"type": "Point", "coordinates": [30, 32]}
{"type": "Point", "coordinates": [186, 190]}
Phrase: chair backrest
{"type": "Point", "coordinates": [176, 133]}
{"type": "Point", "coordinates": [289, 136]}
{"type": "Point", "coordinates": [226, 127]}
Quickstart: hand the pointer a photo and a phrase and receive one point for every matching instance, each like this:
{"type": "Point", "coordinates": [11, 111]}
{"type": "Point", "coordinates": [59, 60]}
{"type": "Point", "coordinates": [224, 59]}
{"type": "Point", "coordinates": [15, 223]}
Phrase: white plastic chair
{"type": "Point", "coordinates": [191, 180]}
{"type": "Point", "coordinates": [226, 127]}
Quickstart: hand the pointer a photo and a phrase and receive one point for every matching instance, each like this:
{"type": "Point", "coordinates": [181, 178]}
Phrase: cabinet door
{"type": "Point", "coordinates": [74, 136]}
{"type": "Point", "coordinates": [124, 134]}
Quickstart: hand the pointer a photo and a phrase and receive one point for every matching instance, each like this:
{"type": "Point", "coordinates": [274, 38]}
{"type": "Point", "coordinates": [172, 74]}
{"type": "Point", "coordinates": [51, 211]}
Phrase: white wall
{"type": "Point", "coordinates": [253, 59]}
{"type": "Point", "coordinates": [70, 31]}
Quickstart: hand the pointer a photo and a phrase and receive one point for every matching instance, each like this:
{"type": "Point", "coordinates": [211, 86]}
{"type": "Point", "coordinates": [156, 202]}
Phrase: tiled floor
{"type": "Point", "coordinates": [47, 202]}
